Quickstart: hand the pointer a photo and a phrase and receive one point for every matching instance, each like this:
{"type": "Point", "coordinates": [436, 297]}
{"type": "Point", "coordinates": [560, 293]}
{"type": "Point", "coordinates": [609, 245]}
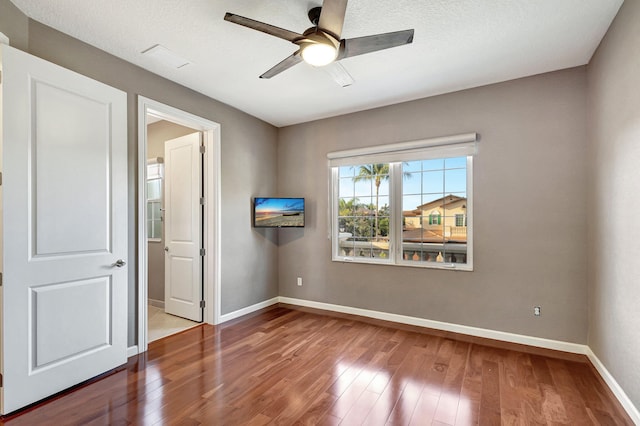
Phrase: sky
{"type": "Point", "coordinates": [264, 205]}
{"type": "Point", "coordinates": [423, 182]}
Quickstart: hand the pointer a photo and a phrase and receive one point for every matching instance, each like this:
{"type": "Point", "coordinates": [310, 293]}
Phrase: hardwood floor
{"type": "Point", "coordinates": [284, 366]}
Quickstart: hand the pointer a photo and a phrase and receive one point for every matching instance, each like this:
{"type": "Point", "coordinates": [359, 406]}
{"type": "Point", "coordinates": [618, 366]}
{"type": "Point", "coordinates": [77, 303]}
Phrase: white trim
{"type": "Point", "coordinates": [212, 141]}
{"type": "Point", "coordinates": [248, 309]}
{"type": "Point", "coordinates": [404, 146]}
{"type": "Point", "coordinates": [617, 390]}
{"type": "Point", "coordinates": [132, 351]}
{"type": "Point", "coordinates": [445, 326]}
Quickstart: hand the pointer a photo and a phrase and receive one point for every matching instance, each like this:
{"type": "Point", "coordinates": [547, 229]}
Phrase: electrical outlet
{"type": "Point", "coordinates": [300, 281]}
{"type": "Point", "coordinates": [536, 311]}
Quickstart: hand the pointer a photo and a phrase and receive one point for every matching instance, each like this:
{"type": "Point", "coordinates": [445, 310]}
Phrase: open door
{"type": "Point", "coordinates": [183, 227]}
{"type": "Point", "coordinates": [64, 229]}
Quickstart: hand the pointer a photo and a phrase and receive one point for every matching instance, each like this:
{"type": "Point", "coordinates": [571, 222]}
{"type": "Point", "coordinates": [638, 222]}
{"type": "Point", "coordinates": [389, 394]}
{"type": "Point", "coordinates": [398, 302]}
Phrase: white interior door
{"type": "Point", "coordinates": [64, 214]}
{"type": "Point", "coordinates": [183, 227]}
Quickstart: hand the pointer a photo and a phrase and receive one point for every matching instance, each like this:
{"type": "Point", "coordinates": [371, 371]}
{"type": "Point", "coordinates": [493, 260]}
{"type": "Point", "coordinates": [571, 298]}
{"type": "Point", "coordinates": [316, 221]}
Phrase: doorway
{"type": "Point", "coordinates": [158, 122]}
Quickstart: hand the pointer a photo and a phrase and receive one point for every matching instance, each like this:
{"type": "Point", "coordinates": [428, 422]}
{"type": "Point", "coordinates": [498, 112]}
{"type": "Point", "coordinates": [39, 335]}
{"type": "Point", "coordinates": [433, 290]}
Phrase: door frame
{"type": "Point", "coordinates": [211, 226]}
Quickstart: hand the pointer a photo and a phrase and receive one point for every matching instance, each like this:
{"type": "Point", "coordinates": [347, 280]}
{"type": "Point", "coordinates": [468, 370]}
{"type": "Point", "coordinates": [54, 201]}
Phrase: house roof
{"type": "Point", "coordinates": [446, 201]}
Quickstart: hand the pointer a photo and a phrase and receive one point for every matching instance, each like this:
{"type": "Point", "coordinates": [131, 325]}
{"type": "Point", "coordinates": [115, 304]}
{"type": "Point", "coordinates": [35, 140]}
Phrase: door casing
{"type": "Point", "coordinates": [211, 226]}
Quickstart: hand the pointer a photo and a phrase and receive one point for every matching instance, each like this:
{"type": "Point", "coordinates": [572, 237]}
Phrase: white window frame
{"type": "Point", "coordinates": [395, 154]}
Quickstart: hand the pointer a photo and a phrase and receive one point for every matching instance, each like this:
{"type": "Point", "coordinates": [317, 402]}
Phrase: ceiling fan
{"type": "Point", "coordinates": [321, 44]}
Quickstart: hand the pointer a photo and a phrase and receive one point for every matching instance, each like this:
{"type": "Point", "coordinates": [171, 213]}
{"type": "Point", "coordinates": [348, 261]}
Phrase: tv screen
{"type": "Point", "coordinates": [271, 212]}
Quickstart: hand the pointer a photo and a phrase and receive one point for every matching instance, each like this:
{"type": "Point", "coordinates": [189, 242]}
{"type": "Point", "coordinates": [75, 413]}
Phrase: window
{"type": "Point", "coordinates": [404, 204]}
{"type": "Point", "coordinates": [434, 218]}
{"type": "Point", "coordinates": [154, 201]}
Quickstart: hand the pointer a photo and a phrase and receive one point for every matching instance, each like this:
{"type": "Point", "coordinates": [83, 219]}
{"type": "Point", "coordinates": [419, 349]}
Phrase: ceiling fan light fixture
{"type": "Point", "coordinates": [319, 54]}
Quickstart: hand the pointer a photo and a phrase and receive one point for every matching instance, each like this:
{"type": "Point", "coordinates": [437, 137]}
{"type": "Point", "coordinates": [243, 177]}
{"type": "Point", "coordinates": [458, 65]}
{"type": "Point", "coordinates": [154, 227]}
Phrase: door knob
{"type": "Point", "coordinates": [166, 249]}
{"type": "Point", "coordinates": [119, 263]}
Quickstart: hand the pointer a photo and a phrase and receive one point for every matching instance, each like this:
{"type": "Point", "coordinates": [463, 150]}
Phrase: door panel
{"type": "Point", "coordinates": [64, 225]}
{"type": "Point", "coordinates": [68, 126]}
{"type": "Point", "coordinates": [183, 224]}
{"type": "Point", "coordinates": [69, 320]}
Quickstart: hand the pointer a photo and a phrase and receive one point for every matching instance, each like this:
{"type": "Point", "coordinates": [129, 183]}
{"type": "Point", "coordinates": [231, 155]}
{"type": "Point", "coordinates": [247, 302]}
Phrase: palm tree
{"type": "Point", "coordinates": [346, 207]}
{"type": "Point", "coordinates": [377, 173]}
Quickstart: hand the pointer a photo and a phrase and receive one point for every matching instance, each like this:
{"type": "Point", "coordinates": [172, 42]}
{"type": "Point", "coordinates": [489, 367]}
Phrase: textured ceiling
{"type": "Point", "coordinates": [458, 44]}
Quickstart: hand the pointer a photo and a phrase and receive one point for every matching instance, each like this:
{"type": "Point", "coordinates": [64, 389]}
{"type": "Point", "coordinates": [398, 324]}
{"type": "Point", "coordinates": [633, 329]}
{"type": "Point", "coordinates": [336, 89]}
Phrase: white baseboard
{"type": "Point", "coordinates": [624, 399]}
{"type": "Point", "coordinates": [248, 310]}
{"type": "Point", "coordinates": [445, 326]}
{"type": "Point", "coordinates": [132, 350]}
{"type": "Point", "coordinates": [156, 303]}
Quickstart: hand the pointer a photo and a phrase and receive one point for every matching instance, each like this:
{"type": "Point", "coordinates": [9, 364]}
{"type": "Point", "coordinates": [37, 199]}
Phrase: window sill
{"type": "Point", "coordinates": [430, 265]}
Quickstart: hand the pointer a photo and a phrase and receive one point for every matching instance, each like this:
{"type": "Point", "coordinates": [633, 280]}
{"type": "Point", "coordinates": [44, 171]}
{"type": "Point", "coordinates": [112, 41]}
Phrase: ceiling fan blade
{"type": "Point", "coordinates": [361, 45]}
{"type": "Point", "coordinates": [339, 74]}
{"type": "Point", "coordinates": [284, 65]}
{"type": "Point", "coordinates": [265, 28]}
{"type": "Point", "coordinates": [332, 17]}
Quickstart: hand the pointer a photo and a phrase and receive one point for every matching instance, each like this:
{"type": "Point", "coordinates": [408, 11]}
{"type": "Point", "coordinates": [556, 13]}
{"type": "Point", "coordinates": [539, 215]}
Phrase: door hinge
{"type": "Point", "coordinates": [202, 149]}
{"type": "Point", "coordinates": [202, 252]}
{"type": "Point", "coordinates": [202, 304]}
{"type": "Point", "coordinates": [0, 279]}
{"type": "Point", "coordinates": [0, 178]}
{"type": "Point", "coordinates": [202, 201]}
{"type": "Point", "coordinates": [1, 380]}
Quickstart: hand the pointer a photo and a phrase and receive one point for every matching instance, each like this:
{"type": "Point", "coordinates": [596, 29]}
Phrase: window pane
{"type": "Point", "coordinates": [412, 166]}
{"type": "Point", "coordinates": [156, 210]}
{"type": "Point", "coordinates": [456, 163]}
{"type": "Point", "coordinates": [347, 171]}
{"type": "Point", "coordinates": [412, 183]}
{"type": "Point", "coordinates": [455, 180]}
{"type": "Point", "coordinates": [432, 182]}
{"type": "Point", "coordinates": [411, 203]}
{"type": "Point", "coordinates": [434, 222]}
{"type": "Point", "coordinates": [363, 211]}
{"type": "Point", "coordinates": [437, 164]}
{"type": "Point", "coordinates": [362, 188]}
{"type": "Point", "coordinates": [153, 189]}
{"type": "Point", "coordinates": [384, 187]}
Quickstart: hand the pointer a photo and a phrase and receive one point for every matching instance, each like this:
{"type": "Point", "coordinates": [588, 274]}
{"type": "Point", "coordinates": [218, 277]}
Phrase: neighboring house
{"type": "Point", "coordinates": [441, 220]}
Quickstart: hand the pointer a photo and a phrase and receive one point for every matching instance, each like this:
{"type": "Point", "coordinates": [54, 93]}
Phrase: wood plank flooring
{"type": "Point", "coordinates": [293, 367]}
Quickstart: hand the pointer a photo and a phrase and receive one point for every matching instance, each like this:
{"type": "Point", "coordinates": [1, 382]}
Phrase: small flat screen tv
{"type": "Point", "coordinates": [273, 212]}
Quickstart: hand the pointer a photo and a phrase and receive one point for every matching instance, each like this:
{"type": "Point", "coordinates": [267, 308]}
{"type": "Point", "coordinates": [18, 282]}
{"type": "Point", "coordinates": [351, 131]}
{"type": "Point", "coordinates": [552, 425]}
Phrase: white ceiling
{"type": "Point", "coordinates": [458, 44]}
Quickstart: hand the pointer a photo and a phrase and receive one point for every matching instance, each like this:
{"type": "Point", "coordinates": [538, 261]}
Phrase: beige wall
{"type": "Point", "coordinates": [531, 154]}
{"type": "Point", "coordinates": [160, 132]}
{"type": "Point", "coordinates": [249, 258]}
{"type": "Point", "coordinates": [614, 202]}
{"type": "Point", "coordinates": [157, 134]}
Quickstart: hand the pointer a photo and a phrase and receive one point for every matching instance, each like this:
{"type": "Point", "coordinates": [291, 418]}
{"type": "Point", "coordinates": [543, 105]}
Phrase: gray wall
{"type": "Point", "coordinates": [157, 134]}
{"type": "Point", "coordinates": [249, 260]}
{"type": "Point", "coordinates": [14, 24]}
{"type": "Point", "coordinates": [529, 209]}
{"type": "Point", "coordinates": [534, 166]}
{"type": "Point", "coordinates": [614, 202]}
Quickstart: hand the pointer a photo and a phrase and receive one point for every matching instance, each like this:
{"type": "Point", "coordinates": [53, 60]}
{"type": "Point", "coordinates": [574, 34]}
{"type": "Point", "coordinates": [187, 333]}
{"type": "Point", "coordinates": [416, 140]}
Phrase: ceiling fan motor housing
{"type": "Point", "coordinates": [314, 15]}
